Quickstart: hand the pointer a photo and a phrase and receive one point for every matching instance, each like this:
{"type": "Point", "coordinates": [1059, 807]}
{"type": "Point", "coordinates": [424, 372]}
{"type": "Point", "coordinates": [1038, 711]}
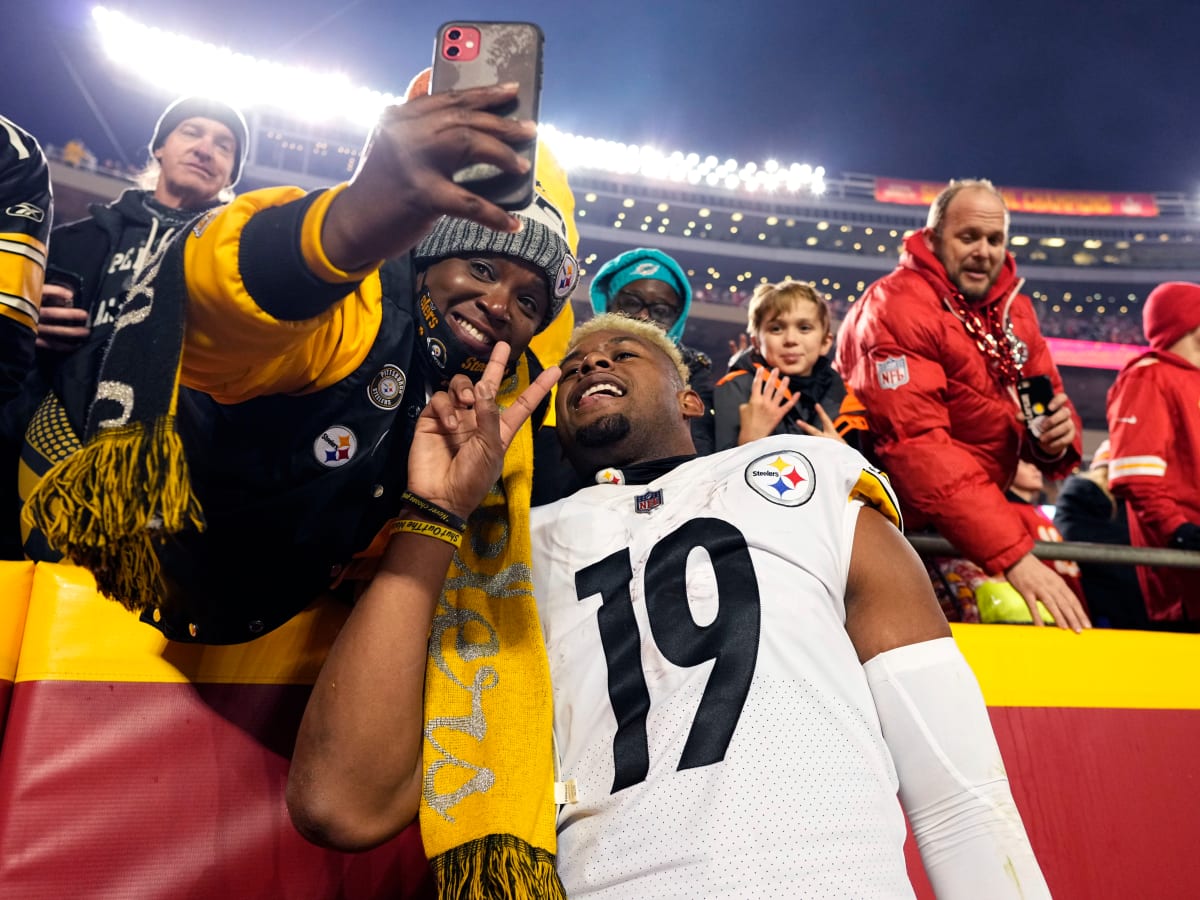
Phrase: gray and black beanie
{"type": "Point", "coordinates": [205, 108]}
{"type": "Point", "coordinates": [542, 242]}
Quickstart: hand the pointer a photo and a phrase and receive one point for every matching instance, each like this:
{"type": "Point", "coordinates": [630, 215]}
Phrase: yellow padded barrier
{"type": "Point", "coordinates": [73, 633]}
{"type": "Point", "coordinates": [1020, 665]}
{"type": "Point", "coordinates": [16, 579]}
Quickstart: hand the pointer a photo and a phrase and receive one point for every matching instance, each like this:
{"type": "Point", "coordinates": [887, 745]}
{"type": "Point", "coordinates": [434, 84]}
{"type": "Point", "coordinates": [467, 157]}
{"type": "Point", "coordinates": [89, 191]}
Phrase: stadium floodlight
{"type": "Point", "coordinates": [181, 65]}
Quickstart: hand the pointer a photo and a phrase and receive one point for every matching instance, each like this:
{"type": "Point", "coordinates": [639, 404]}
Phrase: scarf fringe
{"type": "Point", "coordinates": [497, 867]}
{"type": "Point", "coordinates": [105, 506]}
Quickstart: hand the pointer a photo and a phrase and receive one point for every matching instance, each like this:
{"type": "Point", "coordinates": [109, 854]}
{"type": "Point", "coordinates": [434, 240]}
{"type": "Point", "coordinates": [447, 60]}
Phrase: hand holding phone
{"type": "Point", "coordinates": [479, 54]}
{"type": "Point", "coordinates": [62, 325]}
{"type": "Point", "coordinates": [403, 185]}
{"type": "Point", "coordinates": [61, 287]}
{"type": "Point", "coordinates": [1035, 394]}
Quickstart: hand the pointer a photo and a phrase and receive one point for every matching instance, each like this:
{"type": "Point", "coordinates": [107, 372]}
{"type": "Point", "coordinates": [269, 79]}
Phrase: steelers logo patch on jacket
{"type": "Point", "coordinates": [335, 446]}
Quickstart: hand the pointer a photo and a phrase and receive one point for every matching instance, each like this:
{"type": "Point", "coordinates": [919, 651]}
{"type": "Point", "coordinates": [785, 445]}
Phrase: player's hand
{"type": "Point", "coordinates": [768, 403]}
{"type": "Point", "coordinates": [405, 180]}
{"type": "Point", "coordinates": [61, 327]}
{"type": "Point", "coordinates": [1058, 427]}
{"type": "Point", "coordinates": [1036, 581]}
{"type": "Point", "coordinates": [826, 429]}
{"type": "Point", "coordinates": [458, 449]}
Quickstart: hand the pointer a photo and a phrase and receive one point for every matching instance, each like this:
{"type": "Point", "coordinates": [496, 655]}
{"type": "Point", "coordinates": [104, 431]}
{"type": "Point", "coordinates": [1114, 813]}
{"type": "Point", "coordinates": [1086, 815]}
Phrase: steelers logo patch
{"type": "Point", "coordinates": [437, 352]}
{"type": "Point", "coordinates": [386, 389]}
{"type": "Point", "coordinates": [786, 478]}
{"type": "Point", "coordinates": [567, 278]}
{"type": "Point", "coordinates": [335, 446]}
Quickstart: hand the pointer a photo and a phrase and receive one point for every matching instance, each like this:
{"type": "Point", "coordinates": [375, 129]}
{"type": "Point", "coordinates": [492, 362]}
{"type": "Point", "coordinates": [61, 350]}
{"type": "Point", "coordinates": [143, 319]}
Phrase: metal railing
{"type": "Point", "coordinates": [934, 545]}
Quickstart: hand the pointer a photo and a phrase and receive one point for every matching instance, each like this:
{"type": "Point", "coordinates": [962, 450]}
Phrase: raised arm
{"type": "Point", "coordinates": [405, 181]}
{"type": "Point", "coordinates": [355, 778]}
{"type": "Point", "coordinates": [273, 279]}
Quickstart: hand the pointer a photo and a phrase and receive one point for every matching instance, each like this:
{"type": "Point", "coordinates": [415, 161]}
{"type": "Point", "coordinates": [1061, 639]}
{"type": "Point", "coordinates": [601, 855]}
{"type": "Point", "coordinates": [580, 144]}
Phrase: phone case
{"type": "Point", "coordinates": [73, 281]}
{"type": "Point", "coordinates": [1035, 394]}
{"type": "Point", "coordinates": [477, 54]}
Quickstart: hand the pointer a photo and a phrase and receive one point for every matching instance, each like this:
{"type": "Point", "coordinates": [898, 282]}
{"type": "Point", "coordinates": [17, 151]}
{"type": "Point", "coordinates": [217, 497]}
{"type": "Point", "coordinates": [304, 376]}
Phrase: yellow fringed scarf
{"type": "Point", "coordinates": [487, 807]}
{"type": "Point", "coordinates": [104, 506]}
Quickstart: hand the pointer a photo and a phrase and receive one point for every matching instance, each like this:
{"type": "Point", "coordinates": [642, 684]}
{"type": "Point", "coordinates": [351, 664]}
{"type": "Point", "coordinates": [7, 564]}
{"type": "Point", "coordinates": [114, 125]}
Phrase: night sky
{"type": "Point", "coordinates": [1031, 93]}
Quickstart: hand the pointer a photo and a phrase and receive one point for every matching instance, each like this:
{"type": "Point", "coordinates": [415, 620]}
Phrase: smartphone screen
{"type": "Point", "coordinates": [478, 54]}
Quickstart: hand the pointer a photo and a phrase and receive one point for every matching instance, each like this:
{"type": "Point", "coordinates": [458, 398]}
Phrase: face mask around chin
{"type": "Point", "coordinates": [442, 353]}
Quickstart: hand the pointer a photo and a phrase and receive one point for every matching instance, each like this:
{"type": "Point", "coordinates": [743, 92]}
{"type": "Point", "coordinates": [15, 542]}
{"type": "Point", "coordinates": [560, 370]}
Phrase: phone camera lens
{"type": "Point", "coordinates": [452, 52]}
{"type": "Point", "coordinates": [454, 34]}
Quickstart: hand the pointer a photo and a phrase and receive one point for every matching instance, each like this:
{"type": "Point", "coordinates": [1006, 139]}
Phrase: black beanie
{"type": "Point", "coordinates": [205, 108]}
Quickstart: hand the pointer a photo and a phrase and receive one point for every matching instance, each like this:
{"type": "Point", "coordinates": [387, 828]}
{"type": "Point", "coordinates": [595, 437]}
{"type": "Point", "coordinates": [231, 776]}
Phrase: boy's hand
{"type": "Point", "coordinates": [826, 429]}
{"type": "Point", "coordinates": [769, 402]}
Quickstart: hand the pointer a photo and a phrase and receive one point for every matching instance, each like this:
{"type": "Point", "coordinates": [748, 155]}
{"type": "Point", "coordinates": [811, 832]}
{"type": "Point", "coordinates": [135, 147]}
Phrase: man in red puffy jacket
{"type": "Point", "coordinates": [935, 351]}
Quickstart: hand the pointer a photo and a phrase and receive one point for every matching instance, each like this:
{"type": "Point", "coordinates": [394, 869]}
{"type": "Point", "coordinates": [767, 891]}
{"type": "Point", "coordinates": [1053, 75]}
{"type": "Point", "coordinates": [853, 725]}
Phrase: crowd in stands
{"type": "Point", "coordinates": [1112, 327]}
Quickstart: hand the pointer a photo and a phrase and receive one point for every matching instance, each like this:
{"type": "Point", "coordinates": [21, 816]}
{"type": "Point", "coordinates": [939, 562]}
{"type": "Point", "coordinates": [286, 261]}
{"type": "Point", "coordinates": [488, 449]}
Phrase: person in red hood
{"type": "Point", "coordinates": [934, 350]}
{"type": "Point", "coordinates": [1154, 424]}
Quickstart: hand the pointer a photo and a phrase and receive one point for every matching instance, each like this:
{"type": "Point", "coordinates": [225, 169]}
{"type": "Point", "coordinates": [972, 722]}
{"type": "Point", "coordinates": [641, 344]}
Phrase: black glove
{"type": "Point", "coordinates": [1186, 537]}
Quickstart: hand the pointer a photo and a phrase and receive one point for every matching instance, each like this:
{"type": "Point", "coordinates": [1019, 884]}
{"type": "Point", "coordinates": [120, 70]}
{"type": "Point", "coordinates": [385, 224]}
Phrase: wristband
{"type": "Point", "coordinates": [428, 529]}
{"type": "Point", "coordinates": [447, 518]}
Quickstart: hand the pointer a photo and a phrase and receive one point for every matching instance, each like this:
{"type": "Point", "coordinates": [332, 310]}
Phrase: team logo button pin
{"type": "Point", "coordinates": [335, 446]}
{"type": "Point", "coordinates": [387, 388]}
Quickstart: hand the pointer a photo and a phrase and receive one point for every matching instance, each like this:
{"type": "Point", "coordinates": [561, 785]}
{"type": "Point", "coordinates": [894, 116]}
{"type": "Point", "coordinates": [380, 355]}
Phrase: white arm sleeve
{"type": "Point", "coordinates": [953, 786]}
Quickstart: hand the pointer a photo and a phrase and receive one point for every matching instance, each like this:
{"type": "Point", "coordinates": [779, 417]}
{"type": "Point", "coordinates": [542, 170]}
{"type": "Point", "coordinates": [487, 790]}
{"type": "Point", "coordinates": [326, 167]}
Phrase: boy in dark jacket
{"type": "Point", "coordinates": [784, 383]}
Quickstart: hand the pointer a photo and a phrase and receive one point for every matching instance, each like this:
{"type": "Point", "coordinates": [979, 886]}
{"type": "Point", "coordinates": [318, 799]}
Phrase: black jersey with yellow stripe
{"type": "Point", "coordinates": [26, 214]}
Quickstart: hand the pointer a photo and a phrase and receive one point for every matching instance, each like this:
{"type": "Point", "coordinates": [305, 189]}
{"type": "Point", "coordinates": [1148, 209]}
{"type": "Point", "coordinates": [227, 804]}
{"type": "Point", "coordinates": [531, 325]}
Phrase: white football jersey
{"type": "Point", "coordinates": [708, 704]}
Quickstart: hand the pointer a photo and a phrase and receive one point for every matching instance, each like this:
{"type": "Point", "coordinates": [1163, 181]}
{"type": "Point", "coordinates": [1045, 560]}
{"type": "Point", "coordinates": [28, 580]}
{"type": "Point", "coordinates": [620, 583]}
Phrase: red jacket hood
{"type": "Point", "coordinates": [920, 258]}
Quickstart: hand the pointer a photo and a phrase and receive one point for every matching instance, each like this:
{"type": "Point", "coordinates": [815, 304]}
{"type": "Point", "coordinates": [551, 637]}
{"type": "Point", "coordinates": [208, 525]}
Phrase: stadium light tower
{"type": "Point", "coordinates": [181, 65]}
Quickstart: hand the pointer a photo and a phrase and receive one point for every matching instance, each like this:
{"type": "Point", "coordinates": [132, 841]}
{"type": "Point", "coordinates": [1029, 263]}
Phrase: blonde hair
{"type": "Point", "coordinates": [769, 301]}
{"type": "Point", "coordinates": [639, 328]}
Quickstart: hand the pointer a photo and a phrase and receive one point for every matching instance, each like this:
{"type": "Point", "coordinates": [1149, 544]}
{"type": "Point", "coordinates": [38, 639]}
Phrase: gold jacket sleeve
{"type": "Point", "coordinates": [234, 350]}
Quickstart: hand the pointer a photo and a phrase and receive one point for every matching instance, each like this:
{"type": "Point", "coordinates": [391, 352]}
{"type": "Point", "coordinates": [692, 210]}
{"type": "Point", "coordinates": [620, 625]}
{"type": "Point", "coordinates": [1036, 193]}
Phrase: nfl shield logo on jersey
{"type": "Point", "coordinates": [892, 372]}
{"type": "Point", "coordinates": [649, 501]}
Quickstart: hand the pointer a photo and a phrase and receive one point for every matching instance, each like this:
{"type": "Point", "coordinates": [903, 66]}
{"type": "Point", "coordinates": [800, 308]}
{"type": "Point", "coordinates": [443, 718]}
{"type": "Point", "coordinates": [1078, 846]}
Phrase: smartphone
{"type": "Point", "coordinates": [72, 281]}
{"type": "Point", "coordinates": [480, 54]}
{"type": "Point", "coordinates": [1035, 394]}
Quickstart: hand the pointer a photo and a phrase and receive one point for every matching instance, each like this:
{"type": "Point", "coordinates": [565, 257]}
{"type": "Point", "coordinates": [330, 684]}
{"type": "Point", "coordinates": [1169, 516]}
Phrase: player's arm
{"type": "Point", "coordinates": [953, 786]}
{"type": "Point", "coordinates": [355, 778]}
